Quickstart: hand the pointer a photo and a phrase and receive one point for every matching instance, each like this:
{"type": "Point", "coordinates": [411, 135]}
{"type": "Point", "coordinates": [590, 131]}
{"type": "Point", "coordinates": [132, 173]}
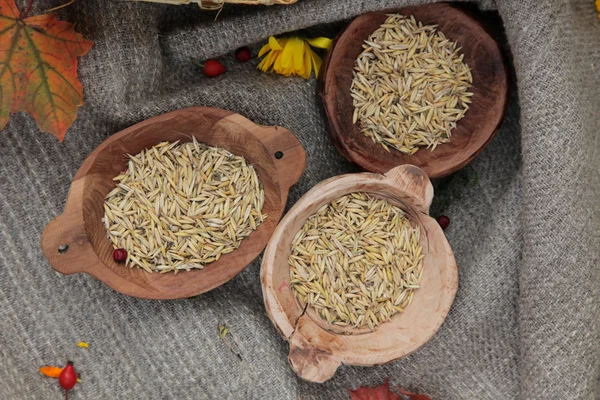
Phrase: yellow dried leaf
{"type": "Point", "coordinates": [223, 331]}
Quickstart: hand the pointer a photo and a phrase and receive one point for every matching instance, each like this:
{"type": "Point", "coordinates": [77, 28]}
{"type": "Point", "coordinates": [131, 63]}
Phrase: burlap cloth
{"type": "Point", "coordinates": [525, 322]}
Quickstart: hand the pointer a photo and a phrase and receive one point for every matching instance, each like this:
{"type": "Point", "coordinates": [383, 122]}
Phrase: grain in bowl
{"type": "Point", "coordinates": [410, 86]}
{"type": "Point", "coordinates": [180, 206]}
{"type": "Point", "coordinates": [357, 261]}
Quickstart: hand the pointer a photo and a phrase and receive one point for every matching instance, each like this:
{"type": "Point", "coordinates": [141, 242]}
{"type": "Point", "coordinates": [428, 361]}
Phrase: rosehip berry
{"type": "Point", "coordinates": [443, 221]}
{"type": "Point", "coordinates": [120, 255]}
{"type": "Point", "coordinates": [213, 68]}
{"type": "Point", "coordinates": [243, 54]}
{"type": "Point", "coordinates": [68, 376]}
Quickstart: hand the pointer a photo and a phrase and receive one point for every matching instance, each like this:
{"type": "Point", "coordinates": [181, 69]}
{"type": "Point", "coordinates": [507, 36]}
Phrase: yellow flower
{"type": "Point", "coordinates": [292, 56]}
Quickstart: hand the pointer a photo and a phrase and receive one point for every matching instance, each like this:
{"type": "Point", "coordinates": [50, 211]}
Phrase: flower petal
{"type": "Point", "coordinates": [301, 70]}
{"type": "Point", "coordinates": [264, 49]}
{"type": "Point", "coordinates": [320, 42]}
{"type": "Point", "coordinates": [274, 43]}
{"type": "Point", "coordinates": [293, 45]}
{"type": "Point", "coordinates": [268, 61]}
{"type": "Point", "coordinates": [51, 371]}
{"type": "Point", "coordinates": [277, 64]}
{"type": "Point", "coordinates": [316, 60]}
{"type": "Point", "coordinates": [298, 57]}
{"type": "Point", "coordinates": [307, 61]}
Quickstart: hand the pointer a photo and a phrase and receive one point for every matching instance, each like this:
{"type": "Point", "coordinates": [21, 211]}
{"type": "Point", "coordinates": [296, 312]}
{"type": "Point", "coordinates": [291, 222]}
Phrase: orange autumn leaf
{"type": "Point", "coordinates": [53, 372]}
{"type": "Point", "coordinates": [38, 69]}
{"type": "Point", "coordinates": [50, 371]}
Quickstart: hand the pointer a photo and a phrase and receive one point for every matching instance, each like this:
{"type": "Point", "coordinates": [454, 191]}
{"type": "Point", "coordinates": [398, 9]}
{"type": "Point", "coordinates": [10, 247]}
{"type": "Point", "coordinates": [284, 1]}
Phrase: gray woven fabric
{"type": "Point", "coordinates": [525, 322]}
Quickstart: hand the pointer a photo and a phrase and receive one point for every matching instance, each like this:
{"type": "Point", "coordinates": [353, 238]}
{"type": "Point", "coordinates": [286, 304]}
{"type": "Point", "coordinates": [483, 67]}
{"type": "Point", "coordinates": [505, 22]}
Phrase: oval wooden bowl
{"type": "Point", "coordinates": [472, 133]}
{"type": "Point", "coordinates": [275, 153]}
{"type": "Point", "coordinates": [316, 352]}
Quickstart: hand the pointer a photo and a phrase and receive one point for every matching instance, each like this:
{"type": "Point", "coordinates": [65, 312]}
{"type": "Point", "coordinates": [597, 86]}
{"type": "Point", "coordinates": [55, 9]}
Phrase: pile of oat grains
{"type": "Point", "coordinates": [356, 261]}
{"type": "Point", "coordinates": [182, 206]}
{"type": "Point", "coordinates": [410, 87]}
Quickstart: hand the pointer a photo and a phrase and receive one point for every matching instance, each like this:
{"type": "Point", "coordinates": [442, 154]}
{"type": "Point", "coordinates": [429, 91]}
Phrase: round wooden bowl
{"type": "Point", "coordinates": [76, 241]}
{"type": "Point", "coordinates": [472, 133]}
{"type": "Point", "coordinates": [317, 351]}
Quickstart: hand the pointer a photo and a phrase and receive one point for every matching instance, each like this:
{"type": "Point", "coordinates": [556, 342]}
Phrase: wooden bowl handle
{"type": "Point", "coordinates": [282, 145]}
{"type": "Point", "coordinates": [287, 153]}
{"type": "Point", "coordinates": [311, 363]}
{"type": "Point", "coordinates": [413, 182]}
{"type": "Point", "coordinates": [64, 241]}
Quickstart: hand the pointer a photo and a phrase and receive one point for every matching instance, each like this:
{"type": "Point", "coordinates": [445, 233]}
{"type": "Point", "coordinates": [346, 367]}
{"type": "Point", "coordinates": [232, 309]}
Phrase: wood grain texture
{"type": "Point", "coordinates": [472, 134]}
{"type": "Point", "coordinates": [81, 228]}
{"type": "Point", "coordinates": [318, 349]}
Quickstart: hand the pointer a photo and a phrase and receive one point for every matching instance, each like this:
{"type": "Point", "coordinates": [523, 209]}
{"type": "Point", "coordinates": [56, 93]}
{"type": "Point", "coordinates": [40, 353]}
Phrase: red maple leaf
{"type": "Point", "coordinates": [383, 392]}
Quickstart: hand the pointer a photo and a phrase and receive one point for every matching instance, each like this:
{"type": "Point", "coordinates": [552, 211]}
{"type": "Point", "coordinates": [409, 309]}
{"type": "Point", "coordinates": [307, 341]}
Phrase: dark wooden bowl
{"type": "Point", "coordinates": [274, 152]}
{"type": "Point", "coordinates": [490, 93]}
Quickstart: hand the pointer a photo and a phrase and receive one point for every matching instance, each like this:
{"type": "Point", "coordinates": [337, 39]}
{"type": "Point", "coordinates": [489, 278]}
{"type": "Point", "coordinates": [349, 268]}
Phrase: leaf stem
{"type": "Point", "coordinates": [59, 7]}
{"type": "Point", "coordinates": [26, 13]}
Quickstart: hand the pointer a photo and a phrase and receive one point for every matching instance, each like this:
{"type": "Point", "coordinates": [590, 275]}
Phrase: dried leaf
{"type": "Point", "coordinates": [54, 372]}
{"type": "Point", "coordinates": [383, 392]}
{"type": "Point", "coordinates": [38, 69]}
{"type": "Point", "coordinates": [223, 331]}
{"type": "Point", "coordinates": [51, 371]}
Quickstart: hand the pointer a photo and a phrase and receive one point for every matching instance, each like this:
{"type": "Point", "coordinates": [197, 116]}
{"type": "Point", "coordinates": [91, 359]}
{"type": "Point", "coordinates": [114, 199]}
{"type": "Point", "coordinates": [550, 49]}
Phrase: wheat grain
{"type": "Point", "coordinates": [356, 261]}
{"type": "Point", "coordinates": [179, 206]}
{"type": "Point", "coordinates": [410, 86]}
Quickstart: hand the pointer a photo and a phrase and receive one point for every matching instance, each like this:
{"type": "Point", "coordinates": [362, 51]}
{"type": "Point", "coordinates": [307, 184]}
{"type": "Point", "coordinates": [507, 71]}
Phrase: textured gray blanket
{"type": "Point", "coordinates": [526, 320]}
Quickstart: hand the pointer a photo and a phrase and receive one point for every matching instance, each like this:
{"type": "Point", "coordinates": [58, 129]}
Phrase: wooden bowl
{"type": "Point", "coordinates": [472, 133]}
{"type": "Point", "coordinates": [315, 351]}
{"type": "Point", "coordinates": [274, 152]}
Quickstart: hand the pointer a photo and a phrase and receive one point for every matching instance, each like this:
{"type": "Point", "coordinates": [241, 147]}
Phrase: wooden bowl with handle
{"type": "Point", "coordinates": [473, 132]}
{"type": "Point", "coordinates": [77, 241]}
{"type": "Point", "coordinates": [316, 351]}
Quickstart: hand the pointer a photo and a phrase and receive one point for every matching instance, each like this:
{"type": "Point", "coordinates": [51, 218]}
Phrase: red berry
{"type": "Point", "coordinates": [68, 376]}
{"type": "Point", "coordinates": [243, 54]}
{"type": "Point", "coordinates": [443, 221]}
{"type": "Point", "coordinates": [213, 68]}
{"type": "Point", "coordinates": [120, 255]}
